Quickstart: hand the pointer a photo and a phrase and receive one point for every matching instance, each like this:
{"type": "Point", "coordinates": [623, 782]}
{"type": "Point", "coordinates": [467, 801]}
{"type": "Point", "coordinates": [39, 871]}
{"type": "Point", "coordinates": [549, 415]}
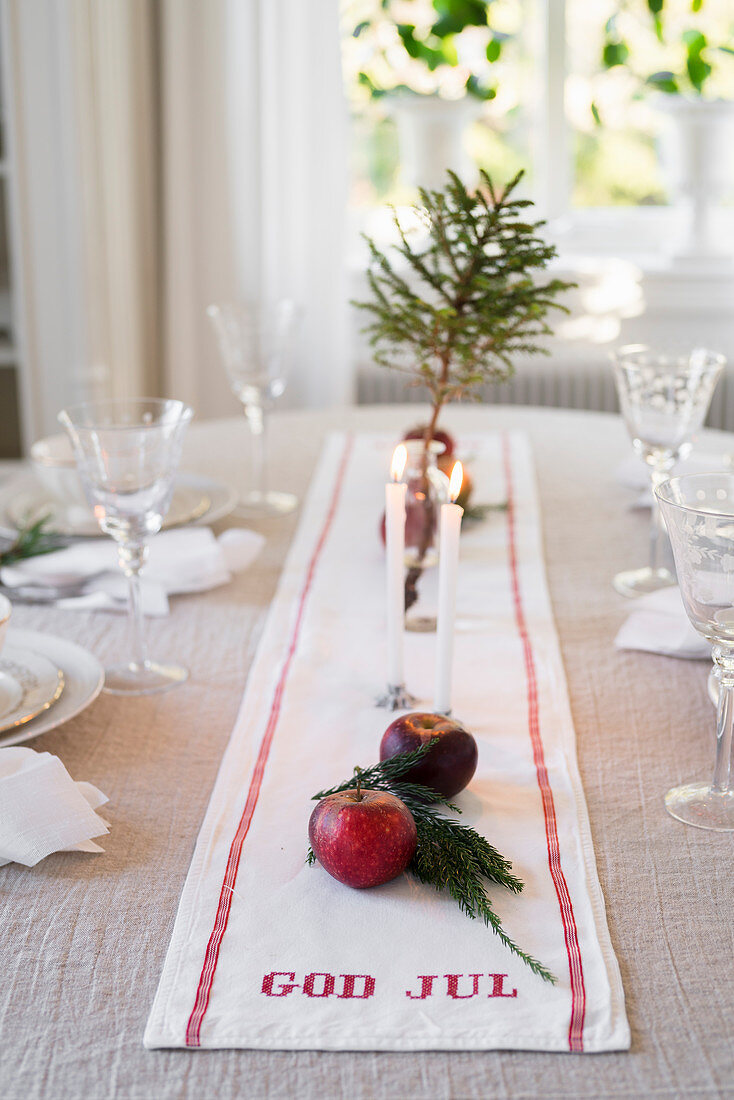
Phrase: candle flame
{"type": "Point", "coordinates": [399, 459]}
{"type": "Point", "coordinates": [457, 480]}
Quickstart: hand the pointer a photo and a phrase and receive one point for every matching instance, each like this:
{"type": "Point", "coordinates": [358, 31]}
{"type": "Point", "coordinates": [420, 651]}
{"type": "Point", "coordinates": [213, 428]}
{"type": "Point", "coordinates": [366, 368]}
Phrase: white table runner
{"type": "Point", "coordinates": [269, 953]}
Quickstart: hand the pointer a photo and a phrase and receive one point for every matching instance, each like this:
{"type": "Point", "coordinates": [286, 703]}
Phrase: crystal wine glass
{"type": "Point", "coordinates": [664, 399]}
{"type": "Point", "coordinates": [127, 452]}
{"type": "Point", "coordinates": [256, 344]}
{"type": "Point", "coordinates": [698, 510]}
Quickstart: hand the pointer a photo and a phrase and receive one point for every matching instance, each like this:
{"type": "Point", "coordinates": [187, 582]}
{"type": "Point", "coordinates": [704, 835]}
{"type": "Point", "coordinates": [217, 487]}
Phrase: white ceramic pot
{"type": "Point", "coordinates": [431, 135]}
{"type": "Point", "coordinates": [696, 150]}
{"type": "Point", "coordinates": [55, 468]}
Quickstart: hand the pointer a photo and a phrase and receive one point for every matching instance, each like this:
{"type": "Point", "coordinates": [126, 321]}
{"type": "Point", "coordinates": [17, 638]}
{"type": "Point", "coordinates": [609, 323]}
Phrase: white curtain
{"type": "Point", "coordinates": [167, 154]}
{"type": "Point", "coordinates": [82, 156]}
{"type": "Point", "coordinates": [255, 171]}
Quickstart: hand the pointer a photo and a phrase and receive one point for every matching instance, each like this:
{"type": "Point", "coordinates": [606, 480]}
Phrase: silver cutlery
{"type": "Point", "coordinates": [38, 592]}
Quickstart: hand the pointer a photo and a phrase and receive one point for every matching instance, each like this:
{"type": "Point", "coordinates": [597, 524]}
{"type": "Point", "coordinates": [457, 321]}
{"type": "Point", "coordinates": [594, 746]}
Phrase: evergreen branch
{"type": "Point", "coordinates": [466, 299]}
{"type": "Point", "coordinates": [416, 261]}
{"type": "Point", "coordinates": [378, 776]}
{"type": "Point", "coordinates": [31, 541]}
{"type": "Point", "coordinates": [464, 293]}
{"type": "Point", "coordinates": [450, 856]}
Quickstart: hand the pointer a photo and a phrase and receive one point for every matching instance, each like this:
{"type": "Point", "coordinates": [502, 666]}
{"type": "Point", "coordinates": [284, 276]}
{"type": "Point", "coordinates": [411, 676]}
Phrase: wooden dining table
{"type": "Point", "coordinates": [83, 937]}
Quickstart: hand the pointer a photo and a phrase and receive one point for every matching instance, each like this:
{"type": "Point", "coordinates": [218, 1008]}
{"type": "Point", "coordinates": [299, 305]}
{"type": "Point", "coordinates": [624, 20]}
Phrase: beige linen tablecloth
{"type": "Point", "coordinates": [82, 938]}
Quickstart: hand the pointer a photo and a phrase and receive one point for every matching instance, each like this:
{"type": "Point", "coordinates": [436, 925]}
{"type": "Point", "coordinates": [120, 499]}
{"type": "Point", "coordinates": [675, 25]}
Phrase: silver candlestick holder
{"type": "Point", "coordinates": [396, 698]}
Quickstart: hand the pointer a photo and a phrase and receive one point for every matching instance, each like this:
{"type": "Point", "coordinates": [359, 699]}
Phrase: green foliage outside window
{"type": "Point", "coordinates": [692, 46]}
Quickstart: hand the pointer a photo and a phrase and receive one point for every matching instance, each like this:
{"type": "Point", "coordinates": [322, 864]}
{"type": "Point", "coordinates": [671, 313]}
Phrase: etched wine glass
{"type": "Point", "coordinates": [698, 510]}
{"type": "Point", "coordinates": [127, 452]}
{"type": "Point", "coordinates": [256, 344]}
{"type": "Point", "coordinates": [664, 399]}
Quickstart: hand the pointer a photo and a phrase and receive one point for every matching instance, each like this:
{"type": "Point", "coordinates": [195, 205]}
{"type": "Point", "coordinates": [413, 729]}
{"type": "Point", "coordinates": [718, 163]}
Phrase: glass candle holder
{"type": "Point", "coordinates": [428, 489]}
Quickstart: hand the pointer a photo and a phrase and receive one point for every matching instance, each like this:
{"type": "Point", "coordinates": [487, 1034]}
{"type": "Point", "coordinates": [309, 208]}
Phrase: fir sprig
{"type": "Point", "coordinates": [450, 855]}
{"type": "Point", "coordinates": [31, 541]}
{"type": "Point", "coordinates": [452, 308]}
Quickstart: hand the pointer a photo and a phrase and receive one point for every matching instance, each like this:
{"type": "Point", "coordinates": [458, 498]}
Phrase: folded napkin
{"type": "Point", "coordinates": [659, 624]}
{"type": "Point", "coordinates": [190, 559]}
{"type": "Point", "coordinates": [633, 474]}
{"type": "Point", "coordinates": [42, 809]}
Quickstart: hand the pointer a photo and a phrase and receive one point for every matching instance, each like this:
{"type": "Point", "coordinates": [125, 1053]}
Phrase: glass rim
{"type": "Point", "coordinates": [66, 414]}
{"type": "Point", "coordinates": [690, 507]}
{"type": "Point", "coordinates": [415, 446]}
{"type": "Point", "coordinates": [679, 358]}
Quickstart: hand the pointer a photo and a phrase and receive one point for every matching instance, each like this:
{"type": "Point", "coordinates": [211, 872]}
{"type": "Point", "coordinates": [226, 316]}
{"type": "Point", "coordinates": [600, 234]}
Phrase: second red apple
{"type": "Point", "coordinates": [447, 767]}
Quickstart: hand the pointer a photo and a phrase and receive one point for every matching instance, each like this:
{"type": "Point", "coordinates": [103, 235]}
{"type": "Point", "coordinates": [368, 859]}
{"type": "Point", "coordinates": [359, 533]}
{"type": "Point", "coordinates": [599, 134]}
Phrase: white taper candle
{"type": "Point", "coordinates": [395, 550]}
{"type": "Point", "coordinates": [448, 568]}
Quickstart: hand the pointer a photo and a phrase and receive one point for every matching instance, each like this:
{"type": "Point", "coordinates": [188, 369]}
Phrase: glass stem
{"type": "Point", "coordinates": [132, 558]}
{"type": "Point", "coordinates": [658, 474]}
{"type": "Point", "coordinates": [724, 720]}
{"type": "Point", "coordinates": [257, 421]}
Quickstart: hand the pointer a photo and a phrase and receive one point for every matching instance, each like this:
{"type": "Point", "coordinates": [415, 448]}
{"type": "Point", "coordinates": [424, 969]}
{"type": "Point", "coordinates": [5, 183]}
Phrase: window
{"type": "Point", "coordinates": [579, 94]}
{"type": "Point", "coordinates": [574, 92]}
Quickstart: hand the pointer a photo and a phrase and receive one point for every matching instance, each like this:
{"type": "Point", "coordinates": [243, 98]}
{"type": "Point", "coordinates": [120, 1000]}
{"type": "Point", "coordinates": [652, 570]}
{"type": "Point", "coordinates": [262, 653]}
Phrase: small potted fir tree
{"type": "Point", "coordinates": [452, 304]}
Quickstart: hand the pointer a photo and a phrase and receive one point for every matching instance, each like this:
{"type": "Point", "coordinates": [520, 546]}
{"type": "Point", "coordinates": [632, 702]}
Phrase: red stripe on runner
{"type": "Point", "coordinates": [211, 956]}
{"type": "Point", "coordinates": [570, 932]}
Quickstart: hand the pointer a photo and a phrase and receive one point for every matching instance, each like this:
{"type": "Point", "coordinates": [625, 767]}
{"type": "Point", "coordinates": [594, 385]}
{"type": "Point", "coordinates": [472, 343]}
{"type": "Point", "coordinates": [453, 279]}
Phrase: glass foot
{"type": "Point", "coordinates": [143, 679]}
{"type": "Point", "coordinates": [698, 804]}
{"type": "Point", "coordinates": [264, 505]}
{"type": "Point", "coordinates": [637, 582]}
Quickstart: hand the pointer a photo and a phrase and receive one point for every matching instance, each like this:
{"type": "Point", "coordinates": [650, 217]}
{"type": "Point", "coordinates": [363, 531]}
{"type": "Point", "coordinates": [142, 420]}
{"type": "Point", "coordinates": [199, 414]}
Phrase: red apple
{"type": "Point", "coordinates": [448, 766]}
{"type": "Point", "coordinates": [439, 435]}
{"type": "Point", "coordinates": [361, 837]}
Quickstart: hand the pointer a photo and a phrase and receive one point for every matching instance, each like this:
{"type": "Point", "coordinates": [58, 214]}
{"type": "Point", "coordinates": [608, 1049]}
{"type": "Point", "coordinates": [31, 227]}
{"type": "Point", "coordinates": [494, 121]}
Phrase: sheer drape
{"type": "Point", "coordinates": [287, 139]}
{"type": "Point", "coordinates": [172, 153]}
{"type": "Point", "coordinates": [80, 119]}
{"type": "Point", "coordinates": [255, 182]}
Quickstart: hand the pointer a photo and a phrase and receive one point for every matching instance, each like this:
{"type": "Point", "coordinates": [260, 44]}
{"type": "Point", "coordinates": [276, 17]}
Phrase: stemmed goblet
{"type": "Point", "coordinates": [256, 343]}
{"type": "Point", "coordinates": [127, 452]}
{"type": "Point", "coordinates": [664, 399]}
{"type": "Point", "coordinates": [698, 510]}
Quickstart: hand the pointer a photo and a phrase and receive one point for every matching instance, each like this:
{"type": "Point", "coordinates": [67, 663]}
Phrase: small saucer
{"type": "Point", "coordinates": [33, 681]}
{"type": "Point", "coordinates": [11, 694]}
{"type": "Point", "coordinates": [83, 679]}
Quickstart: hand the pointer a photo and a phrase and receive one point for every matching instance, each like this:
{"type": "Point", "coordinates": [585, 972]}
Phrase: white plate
{"type": "Point", "coordinates": [196, 499]}
{"type": "Point", "coordinates": [83, 679]}
{"type": "Point", "coordinates": [11, 693]}
{"type": "Point", "coordinates": [30, 683]}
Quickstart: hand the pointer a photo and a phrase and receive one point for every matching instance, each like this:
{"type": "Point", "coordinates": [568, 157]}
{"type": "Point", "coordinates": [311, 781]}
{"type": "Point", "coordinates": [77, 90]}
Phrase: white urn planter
{"type": "Point", "coordinates": [697, 156]}
{"type": "Point", "coordinates": [431, 134]}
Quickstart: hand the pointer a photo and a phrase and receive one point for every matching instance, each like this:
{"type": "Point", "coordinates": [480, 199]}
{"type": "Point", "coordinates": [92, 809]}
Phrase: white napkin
{"type": "Point", "coordinates": [187, 560]}
{"type": "Point", "coordinates": [633, 474]}
{"type": "Point", "coordinates": [659, 624]}
{"type": "Point", "coordinates": [42, 809]}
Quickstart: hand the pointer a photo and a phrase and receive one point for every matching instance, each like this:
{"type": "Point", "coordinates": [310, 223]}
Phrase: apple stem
{"type": "Point", "coordinates": [358, 776]}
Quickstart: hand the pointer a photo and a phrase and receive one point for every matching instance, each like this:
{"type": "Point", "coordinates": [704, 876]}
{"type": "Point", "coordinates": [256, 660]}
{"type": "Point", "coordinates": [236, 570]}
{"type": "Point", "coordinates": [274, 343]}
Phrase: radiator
{"type": "Point", "coordinates": [567, 386]}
